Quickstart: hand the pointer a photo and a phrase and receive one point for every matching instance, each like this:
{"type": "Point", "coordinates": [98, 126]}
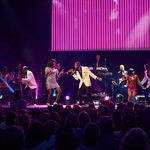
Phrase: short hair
{"type": "Point", "coordinates": [122, 66]}
{"type": "Point", "coordinates": [17, 94]}
{"type": "Point", "coordinates": [78, 63]}
{"type": "Point", "coordinates": [135, 138]}
{"type": "Point", "coordinates": [25, 67]}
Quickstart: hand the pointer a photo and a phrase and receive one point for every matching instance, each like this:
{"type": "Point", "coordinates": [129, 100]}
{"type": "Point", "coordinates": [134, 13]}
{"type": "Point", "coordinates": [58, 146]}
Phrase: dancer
{"type": "Point", "coordinates": [83, 74]}
{"type": "Point", "coordinates": [52, 74]}
{"type": "Point", "coordinates": [146, 80]}
{"type": "Point", "coordinates": [132, 80]}
{"type": "Point", "coordinates": [30, 84]}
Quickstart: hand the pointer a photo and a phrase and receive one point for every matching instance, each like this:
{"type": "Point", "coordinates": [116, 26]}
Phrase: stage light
{"type": "Point", "coordinates": [67, 97]}
{"type": "Point", "coordinates": [10, 88]}
{"type": "Point", "coordinates": [140, 98]}
{"type": "Point", "coordinates": [1, 96]}
{"type": "Point", "coordinates": [54, 93]}
{"type": "Point", "coordinates": [106, 98]}
{"type": "Point", "coordinates": [119, 98]}
{"type": "Point", "coordinates": [97, 102]}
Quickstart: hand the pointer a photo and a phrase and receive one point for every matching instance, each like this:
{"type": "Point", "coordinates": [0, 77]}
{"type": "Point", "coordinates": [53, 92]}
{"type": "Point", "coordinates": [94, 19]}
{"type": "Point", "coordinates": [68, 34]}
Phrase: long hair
{"type": "Point", "coordinates": [131, 72]}
{"type": "Point", "coordinates": [51, 63]}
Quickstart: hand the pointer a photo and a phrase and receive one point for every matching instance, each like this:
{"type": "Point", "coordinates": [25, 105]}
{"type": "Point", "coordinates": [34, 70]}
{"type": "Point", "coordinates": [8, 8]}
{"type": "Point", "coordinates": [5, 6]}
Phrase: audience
{"type": "Point", "coordinates": [90, 136]}
{"type": "Point", "coordinates": [126, 127]}
{"type": "Point", "coordinates": [17, 102]}
{"type": "Point", "coordinates": [65, 139]}
{"type": "Point", "coordinates": [136, 139]}
{"type": "Point", "coordinates": [13, 137]}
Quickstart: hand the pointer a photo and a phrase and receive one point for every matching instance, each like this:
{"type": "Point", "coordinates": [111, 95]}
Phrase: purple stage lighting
{"type": "Point", "coordinates": [106, 98]}
{"type": "Point", "coordinates": [100, 25]}
{"type": "Point", "coordinates": [67, 97]}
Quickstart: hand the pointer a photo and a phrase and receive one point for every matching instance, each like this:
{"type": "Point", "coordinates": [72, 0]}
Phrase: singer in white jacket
{"type": "Point", "coordinates": [83, 74]}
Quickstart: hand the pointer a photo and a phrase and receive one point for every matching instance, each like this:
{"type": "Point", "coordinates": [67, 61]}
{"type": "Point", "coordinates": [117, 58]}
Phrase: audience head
{"type": "Point", "coordinates": [17, 95]}
{"type": "Point", "coordinates": [65, 139]}
{"type": "Point", "coordinates": [76, 109]}
{"type": "Point", "coordinates": [13, 138]}
{"type": "Point", "coordinates": [84, 118]}
{"type": "Point", "coordinates": [11, 118]}
{"type": "Point", "coordinates": [106, 125]}
{"type": "Point", "coordinates": [136, 139]}
{"type": "Point", "coordinates": [72, 120]}
{"type": "Point", "coordinates": [51, 127]}
{"type": "Point", "coordinates": [24, 121]}
{"type": "Point", "coordinates": [35, 134]}
{"type": "Point", "coordinates": [91, 134]}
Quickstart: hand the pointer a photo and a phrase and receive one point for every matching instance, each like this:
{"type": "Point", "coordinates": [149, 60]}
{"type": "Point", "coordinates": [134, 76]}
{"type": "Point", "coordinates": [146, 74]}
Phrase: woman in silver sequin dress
{"type": "Point", "coordinates": [52, 74]}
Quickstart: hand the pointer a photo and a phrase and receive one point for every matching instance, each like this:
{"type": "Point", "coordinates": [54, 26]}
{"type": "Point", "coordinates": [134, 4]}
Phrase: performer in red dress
{"type": "Point", "coordinates": [132, 80]}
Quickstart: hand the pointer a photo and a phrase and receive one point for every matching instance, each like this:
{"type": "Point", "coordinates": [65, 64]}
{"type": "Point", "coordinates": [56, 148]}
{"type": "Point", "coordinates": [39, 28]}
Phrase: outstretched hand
{"type": "Point", "coordinates": [71, 72]}
{"type": "Point", "coordinates": [61, 72]}
{"type": "Point", "coordinates": [99, 79]}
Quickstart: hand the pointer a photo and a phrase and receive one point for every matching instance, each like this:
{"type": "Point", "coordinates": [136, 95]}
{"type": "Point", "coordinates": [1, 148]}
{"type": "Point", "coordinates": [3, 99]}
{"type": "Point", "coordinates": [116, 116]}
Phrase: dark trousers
{"type": "Point", "coordinates": [29, 94]}
{"type": "Point", "coordinates": [147, 92]}
{"type": "Point", "coordinates": [87, 91]}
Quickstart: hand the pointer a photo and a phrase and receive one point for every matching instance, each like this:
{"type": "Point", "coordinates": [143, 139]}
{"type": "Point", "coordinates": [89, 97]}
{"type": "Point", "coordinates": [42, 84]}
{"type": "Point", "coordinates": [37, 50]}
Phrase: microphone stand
{"type": "Point", "coordinates": [105, 76]}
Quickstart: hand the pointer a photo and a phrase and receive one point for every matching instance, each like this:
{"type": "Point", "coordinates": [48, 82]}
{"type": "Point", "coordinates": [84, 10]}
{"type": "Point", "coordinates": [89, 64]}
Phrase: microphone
{"type": "Point", "coordinates": [70, 71]}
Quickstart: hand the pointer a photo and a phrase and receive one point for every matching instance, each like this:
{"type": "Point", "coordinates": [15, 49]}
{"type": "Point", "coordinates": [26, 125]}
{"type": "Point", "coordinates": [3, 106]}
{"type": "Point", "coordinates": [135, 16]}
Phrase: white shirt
{"type": "Point", "coordinates": [30, 80]}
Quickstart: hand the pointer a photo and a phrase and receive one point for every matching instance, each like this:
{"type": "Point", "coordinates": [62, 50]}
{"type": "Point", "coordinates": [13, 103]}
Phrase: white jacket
{"type": "Point", "coordinates": [30, 80]}
{"type": "Point", "coordinates": [86, 73]}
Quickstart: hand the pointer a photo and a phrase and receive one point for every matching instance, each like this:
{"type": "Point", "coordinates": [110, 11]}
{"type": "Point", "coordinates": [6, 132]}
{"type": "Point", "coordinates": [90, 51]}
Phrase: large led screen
{"type": "Point", "coordinates": [82, 25]}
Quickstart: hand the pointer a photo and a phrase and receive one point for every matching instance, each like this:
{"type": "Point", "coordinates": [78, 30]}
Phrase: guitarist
{"type": "Point", "coordinates": [146, 80]}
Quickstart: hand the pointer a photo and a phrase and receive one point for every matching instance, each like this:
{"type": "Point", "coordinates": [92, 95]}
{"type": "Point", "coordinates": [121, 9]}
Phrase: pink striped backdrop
{"type": "Point", "coordinates": [100, 25]}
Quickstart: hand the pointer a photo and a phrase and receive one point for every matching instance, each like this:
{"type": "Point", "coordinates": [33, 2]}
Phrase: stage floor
{"type": "Point", "coordinates": [42, 106]}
